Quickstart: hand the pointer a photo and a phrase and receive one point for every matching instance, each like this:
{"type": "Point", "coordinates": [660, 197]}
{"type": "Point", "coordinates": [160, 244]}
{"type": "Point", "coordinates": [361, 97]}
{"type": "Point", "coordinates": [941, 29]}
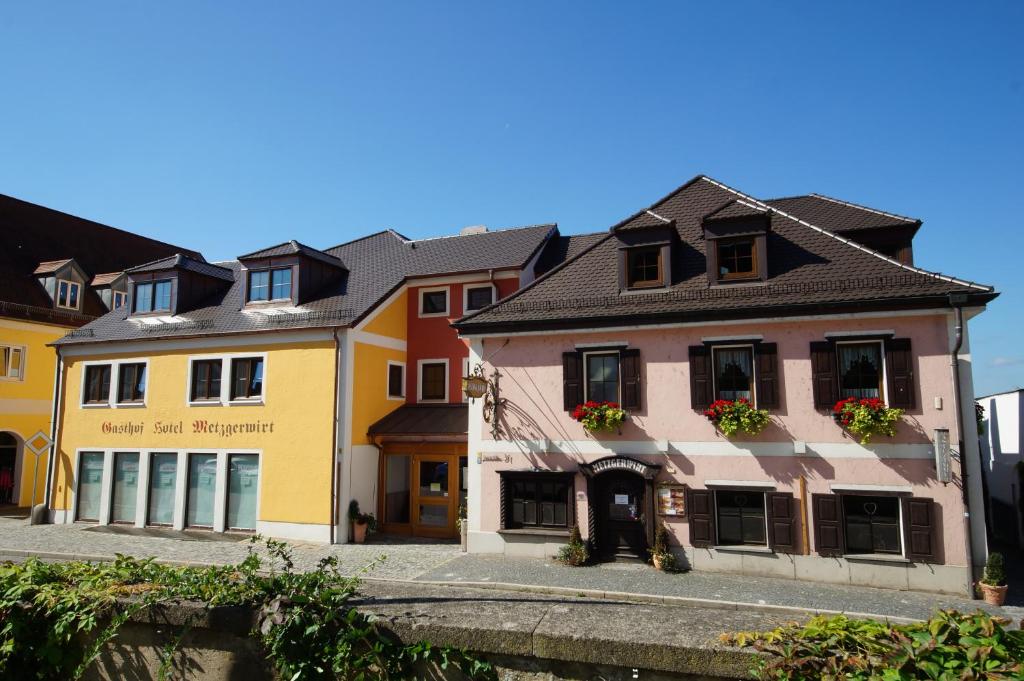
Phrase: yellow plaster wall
{"type": "Point", "coordinates": [370, 400]}
{"type": "Point", "coordinates": [26, 405]}
{"type": "Point", "coordinates": [296, 460]}
{"type": "Point", "coordinates": [393, 320]}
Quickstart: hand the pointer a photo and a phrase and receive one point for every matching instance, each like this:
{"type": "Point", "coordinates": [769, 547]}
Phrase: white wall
{"type": "Point", "coordinates": [1001, 450]}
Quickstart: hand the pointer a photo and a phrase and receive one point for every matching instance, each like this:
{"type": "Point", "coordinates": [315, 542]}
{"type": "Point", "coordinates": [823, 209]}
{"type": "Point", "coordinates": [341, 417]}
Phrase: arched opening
{"type": "Point", "coordinates": [8, 469]}
{"type": "Point", "coordinates": [621, 498]}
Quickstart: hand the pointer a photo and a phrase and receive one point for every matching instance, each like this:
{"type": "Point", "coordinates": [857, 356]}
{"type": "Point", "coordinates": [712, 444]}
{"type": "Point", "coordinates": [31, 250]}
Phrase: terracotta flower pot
{"type": "Point", "coordinates": [993, 595]}
{"type": "Point", "coordinates": [359, 532]}
{"type": "Point", "coordinates": [658, 559]}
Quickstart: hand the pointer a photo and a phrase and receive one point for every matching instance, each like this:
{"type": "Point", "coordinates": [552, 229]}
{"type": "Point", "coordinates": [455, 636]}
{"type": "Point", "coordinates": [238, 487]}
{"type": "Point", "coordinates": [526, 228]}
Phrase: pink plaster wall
{"type": "Point", "coordinates": [532, 385]}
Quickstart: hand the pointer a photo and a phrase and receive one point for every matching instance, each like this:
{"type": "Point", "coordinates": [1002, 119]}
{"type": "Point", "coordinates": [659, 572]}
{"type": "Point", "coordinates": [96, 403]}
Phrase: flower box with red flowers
{"type": "Point", "coordinates": [732, 416]}
{"type": "Point", "coordinates": [866, 417]}
{"type": "Point", "coordinates": [600, 416]}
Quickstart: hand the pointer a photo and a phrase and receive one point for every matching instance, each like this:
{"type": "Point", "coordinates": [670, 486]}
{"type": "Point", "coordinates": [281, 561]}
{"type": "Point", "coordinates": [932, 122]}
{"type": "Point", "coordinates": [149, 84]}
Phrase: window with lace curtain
{"type": "Point", "coordinates": [860, 370]}
{"type": "Point", "coordinates": [734, 373]}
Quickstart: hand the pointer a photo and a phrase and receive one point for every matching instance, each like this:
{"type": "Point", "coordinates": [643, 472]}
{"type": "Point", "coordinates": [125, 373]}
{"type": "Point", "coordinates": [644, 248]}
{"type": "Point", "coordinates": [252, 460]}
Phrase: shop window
{"type": "Point", "coordinates": [90, 486]}
{"type": "Point", "coordinates": [205, 380]}
{"type": "Point", "coordinates": [12, 362]}
{"type": "Point", "coordinates": [68, 294]}
{"type": "Point", "coordinates": [734, 373]}
{"type": "Point", "coordinates": [537, 501]}
{"type": "Point", "coordinates": [246, 378]}
{"type": "Point", "coordinates": [243, 476]}
{"type": "Point", "coordinates": [602, 383]}
{"type": "Point", "coordinates": [97, 384]}
{"type": "Point", "coordinates": [740, 518]}
{"type": "Point", "coordinates": [860, 370]}
{"type": "Point", "coordinates": [872, 524]}
{"type": "Point", "coordinates": [271, 284]}
{"type": "Point", "coordinates": [433, 381]}
{"type": "Point", "coordinates": [163, 485]}
{"type": "Point", "coordinates": [202, 483]}
{"type": "Point", "coordinates": [131, 383]}
{"type": "Point", "coordinates": [124, 496]}
{"type": "Point", "coordinates": [152, 297]}
{"type": "Point", "coordinates": [479, 297]}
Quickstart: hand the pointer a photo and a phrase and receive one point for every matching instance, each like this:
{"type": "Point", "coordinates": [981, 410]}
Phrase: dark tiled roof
{"type": "Point", "coordinates": [424, 419]}
{"type": "Point", "coordinates": [183, 262]}
{"type": "Point", "coordinates": [32, 234]}
{"type": "Point", "coordinates": [378, 263]}
{"type": "Point", "coordinates": [736, 209]}
{"type": "Point", "coordinates": [809, 269]}
{"type": "Point", "coordinates": [293, 247]}
{"type": "Point", "coordinates": [562, 248]}
{"type": "Point", "coordinates": [839, 216]}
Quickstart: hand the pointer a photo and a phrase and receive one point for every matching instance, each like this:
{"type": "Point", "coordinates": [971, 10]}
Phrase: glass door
{"type": "Point", "coordinates": [90, 486]}
{"type": "Point", "coordinates": [243, 478]}
{"type": "Point", "coordinates": [163, 482]}
{"type": "Point", "coordinates": [202, 481]}
{"type": "Point", "coordinates": [436, 495]}
{"type": "Point", "coordinates": [126, 487]}
{"type": "Point", "coordinates": [397, 504]}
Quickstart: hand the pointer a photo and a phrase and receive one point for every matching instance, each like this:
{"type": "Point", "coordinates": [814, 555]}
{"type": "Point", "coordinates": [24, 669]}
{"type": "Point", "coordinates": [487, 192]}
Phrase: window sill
{"type": "Point", "coordinates": [633, 291]}
{"type": "Point", "coordinates": [752, 281]}
{"type": "Point", "coordinates": [246, 403]}
{"type": "Point", "coordinates": [96, 405]}
{"type": "Point", "coordinates": [129, 405]}
{"type": "Point", "coordinates": [428, 315]}
{"type": "Point", "coordinates": [538, 532]}
{"type": "Point", "coordinates": [876, 558]}
{"type": "Point", "coordinates": [205, 403]}
{"type": "Point", "coordinates": [743, 549]}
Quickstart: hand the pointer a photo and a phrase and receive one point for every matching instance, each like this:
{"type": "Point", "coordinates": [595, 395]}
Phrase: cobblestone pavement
{"type": "Point", "coordinates": [434, 562]}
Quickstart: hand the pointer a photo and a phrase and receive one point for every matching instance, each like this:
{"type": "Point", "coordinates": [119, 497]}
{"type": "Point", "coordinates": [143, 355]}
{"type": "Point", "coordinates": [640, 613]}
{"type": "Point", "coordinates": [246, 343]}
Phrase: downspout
{"type": "Point", "coordinates": [51, 460]}
{"type": "Point", "coordinates": [956, 301]}
{"type": "Point", "coordinates": [333, 515]}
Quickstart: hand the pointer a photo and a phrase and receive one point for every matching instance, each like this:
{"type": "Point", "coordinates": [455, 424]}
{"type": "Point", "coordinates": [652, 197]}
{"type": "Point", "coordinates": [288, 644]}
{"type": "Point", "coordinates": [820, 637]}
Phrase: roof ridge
{"type": "Point", "coordinates": [178, 259]}
{"type": "Point", "coordinates": [863, 207]}
{"type": "Point", "coordinates": [657, 203]}
{"type": "Point", "coordinates": [854, 244]}
{"type": "Point", "coordinates": [364, 238]}
{"type": "Point", "coordinates": [489, 231]}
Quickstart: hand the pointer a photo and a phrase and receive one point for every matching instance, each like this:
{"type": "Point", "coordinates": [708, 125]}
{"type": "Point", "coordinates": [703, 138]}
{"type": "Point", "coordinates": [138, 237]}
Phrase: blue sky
{"type": "Point", "coordinates": [231, 126]}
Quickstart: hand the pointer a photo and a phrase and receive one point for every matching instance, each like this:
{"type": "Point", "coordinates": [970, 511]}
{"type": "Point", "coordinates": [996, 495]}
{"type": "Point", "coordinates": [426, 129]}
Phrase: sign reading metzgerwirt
{"type": "Point", "coordinates": [199, 427]}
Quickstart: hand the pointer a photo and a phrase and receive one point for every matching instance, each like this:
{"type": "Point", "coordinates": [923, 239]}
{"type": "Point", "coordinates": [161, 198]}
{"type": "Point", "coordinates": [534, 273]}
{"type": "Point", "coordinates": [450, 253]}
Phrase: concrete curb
{"type": "Point", "coordinates": [624, 596]}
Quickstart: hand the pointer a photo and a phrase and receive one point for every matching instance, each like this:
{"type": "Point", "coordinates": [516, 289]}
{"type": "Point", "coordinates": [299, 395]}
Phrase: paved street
{"type": "Point", "coordinates": [429, 562]}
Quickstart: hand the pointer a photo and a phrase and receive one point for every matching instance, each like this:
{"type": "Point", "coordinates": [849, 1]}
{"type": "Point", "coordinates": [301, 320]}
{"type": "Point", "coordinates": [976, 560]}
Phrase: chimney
{"type": "Point", "coordinates": [473, 229]}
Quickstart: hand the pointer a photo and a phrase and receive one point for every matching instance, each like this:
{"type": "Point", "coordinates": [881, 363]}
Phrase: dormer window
{"type": "Point", "coordinates": [737, 259]}
{"type": "Point", "coordinates": [644, 267]}
{"type": "Point", "coordinates": [119, 299]}
{"type": "Point", "coordinates": [68, 294]}
{"type": "Point", "coordinates": [270, 285]}
{"type": "Point", "coordinates": [152, 297]}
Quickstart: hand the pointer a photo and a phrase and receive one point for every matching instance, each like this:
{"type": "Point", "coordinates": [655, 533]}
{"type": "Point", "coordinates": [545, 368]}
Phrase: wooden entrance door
{"type": "Point", "coordinates": [620, 515]}
{"type": "Point", "coordinates": [422, 489]}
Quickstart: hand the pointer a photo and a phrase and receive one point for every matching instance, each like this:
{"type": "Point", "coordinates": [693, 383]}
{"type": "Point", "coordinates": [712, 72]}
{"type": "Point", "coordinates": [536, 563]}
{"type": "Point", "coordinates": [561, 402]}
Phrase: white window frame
{"type": "Point", "coordinates": [434, 289]}
{"type": "Point", "coordinates": [225, 400]}
{"type": "Point", "coordinates": [419, 380]}
{"type": "Point", "coordinates": [78, 298]}
{"type": "Point", "coordinates": [113, 299]}
{"type": "Point", "coordinates": [115, 377]}
{"type": "Point", "coordinates": [586, 372]}
{"type": "Point", "coordinates": [387, 381]}
{"type": "Point", "coordinates": [23, 354]}
{"type": "Point", "coordinates": [881, 359]}
{"type": "Point", "coordinates": [482, 284]}
{"type": "Point", "coordinates": [763, 491]}
{"type": "Point", "coordinates": [753, 369]}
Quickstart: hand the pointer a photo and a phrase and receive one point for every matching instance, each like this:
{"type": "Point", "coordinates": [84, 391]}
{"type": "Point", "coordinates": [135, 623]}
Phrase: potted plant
{"type": "Point", "coordinates": [574, 553]}
{"type": "Point", "coordinates": [661, 557]}
{"type": "Point", "coordinates": [362, 523]}
{"type": "Point", "coordinates": [993, 580]}
{"type": "Point", "coordinates": [600, 416]}
{"type": "Point", "coordinates": [732, 416]}
{"type": "Point", "coordinates": [463, 526]}
{"type": "Point", "coordinates": [867, 417]}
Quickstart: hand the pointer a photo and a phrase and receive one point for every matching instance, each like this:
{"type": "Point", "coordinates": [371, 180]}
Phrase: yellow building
{"type": "Point", "coordinates": [57, 273]}
{"type": "Point", "coordinates": [241, 396]}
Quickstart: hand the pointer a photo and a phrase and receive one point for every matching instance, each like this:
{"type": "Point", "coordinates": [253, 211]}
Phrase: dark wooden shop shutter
{"type": "Point", "coordinates": [919, 529]}
{"type": "Point", "coordinates": [824, 374]}
{"type": "Point", "coordinates": [899, 365]}
{"type": "Point", "coordinates": [572, 380]}
{"type": "Point", "coordinates": [828, 524]}
{"type": "Point", "coordinates": [767, 371]}
{"type": "Point", "coordinates": [700, 377]}
{"type": "Point", "coordinates": [781, 522]}
{"type": "Point", "coordinates": [700, 506]}
{"type": "Point", "coordinates": [629, 369]}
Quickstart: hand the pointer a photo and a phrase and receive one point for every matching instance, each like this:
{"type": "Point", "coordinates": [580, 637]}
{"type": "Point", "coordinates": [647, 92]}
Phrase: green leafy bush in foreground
{"type": "Point", "coordinates": [950, 646]}
{"type": "Point", "coordinates": [55, 618]}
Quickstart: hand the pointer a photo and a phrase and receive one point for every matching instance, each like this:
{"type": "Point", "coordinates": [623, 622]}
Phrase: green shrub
{"type": "Point", "coordinates": [995, 572]}
{"type": "Point", "coordinates": [661, 549]}
{"type": "Point", "coordinates": [951, 646]}
{"type": "Point", "coordinates": [574, 553]}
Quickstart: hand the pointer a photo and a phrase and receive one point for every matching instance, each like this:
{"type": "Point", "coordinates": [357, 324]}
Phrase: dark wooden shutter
{"type": "Point", "coordinates": [899, 366]}
{"type": "Point", "coordinates": [828, 524]}
{"type": "Point", "coordinates": [781, 522]}
{"type": "Point", "coordinates": [629, 370]}
{"type": "Point", "coordinates": [572, 380]}
{"type": "Point", "coordinates": [919, 529]}
{"type": "Point", "coordinates": [700, 507]}
{"type": "Point", "coordinates": [824, 374]}
{"type": "Point", "coordinates": [700, 377]}
{"type": "Point", "coordinates": [767, 371]}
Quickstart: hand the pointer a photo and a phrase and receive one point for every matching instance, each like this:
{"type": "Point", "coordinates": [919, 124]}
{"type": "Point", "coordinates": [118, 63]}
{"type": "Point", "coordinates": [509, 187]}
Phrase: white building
{"type": "Point", "coordinates": [1001, 457]}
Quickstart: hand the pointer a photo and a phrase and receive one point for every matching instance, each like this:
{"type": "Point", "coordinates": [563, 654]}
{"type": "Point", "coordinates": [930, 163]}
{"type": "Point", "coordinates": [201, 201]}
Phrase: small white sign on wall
{"type": "Point", "coordinates": [622, 499]}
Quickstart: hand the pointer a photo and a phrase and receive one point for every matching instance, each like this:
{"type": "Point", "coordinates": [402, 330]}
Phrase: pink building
{"type": "Point", "coordinates": [710, 294]}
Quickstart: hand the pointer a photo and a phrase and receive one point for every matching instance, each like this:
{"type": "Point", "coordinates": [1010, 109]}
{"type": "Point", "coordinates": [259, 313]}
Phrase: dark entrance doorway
{"type": "Point", "coordinates": [8, 458]}
{"type": "Point", "coordinates": [620, 490]}
{"type": "Point", "coordinates": [620, 515]}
